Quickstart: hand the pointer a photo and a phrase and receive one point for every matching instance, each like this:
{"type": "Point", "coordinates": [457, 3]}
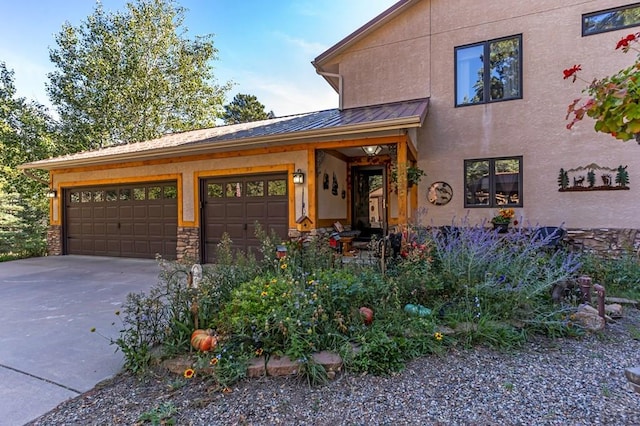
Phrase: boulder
{"type": "Point", "coordinates": [613, 310]}
{"type": "Point", "coordinates": [587, 317]}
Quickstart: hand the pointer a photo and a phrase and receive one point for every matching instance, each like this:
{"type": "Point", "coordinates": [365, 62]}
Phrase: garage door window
{"type": "Point", "coordinates": [155, 192]}
{"type": "Point", "coordinates": [214, 190]}
{"type": "Point", "coordinates": [125, 194]}
{"type": "Point", "coordinates": [139, 194]}
{"type": "Point", "coordinates": [234, 190]}
{"type": "Point", "coordinates": [277, 187]}
{"type": "Point", "coordinates": [170, 192]}
{"type": "Point", "coordinates": [255, 189]}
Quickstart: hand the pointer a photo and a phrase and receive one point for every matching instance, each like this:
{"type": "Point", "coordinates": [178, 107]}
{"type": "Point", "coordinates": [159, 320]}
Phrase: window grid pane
{"type": "Point", "coordinates": [479, 80]}
{"type": "Point", "coordinates": [493, 182]}
{"type": "Point", "coordinates": [611, 20]}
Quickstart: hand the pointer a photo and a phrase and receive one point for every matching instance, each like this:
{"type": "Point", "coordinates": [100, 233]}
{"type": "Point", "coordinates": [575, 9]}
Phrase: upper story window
{"type": "Point", "coordinates": [493, 182]}
{"type": "Point", "coordinates": [611, 19]}
{"type": "Point", "coordinates": [499, 78]}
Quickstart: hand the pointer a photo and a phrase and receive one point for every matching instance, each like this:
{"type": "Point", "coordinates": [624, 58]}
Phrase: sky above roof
{"type": "Point", "coordinates": [264, 47]}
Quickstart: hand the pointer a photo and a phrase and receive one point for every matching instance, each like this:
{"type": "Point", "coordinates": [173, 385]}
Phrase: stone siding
{"type": "Point", "coordinates": [188, 247]}
{"type": "Point", "coordinates": [54, 240]}
{"type": "Point", "coordinates": [604, 241]}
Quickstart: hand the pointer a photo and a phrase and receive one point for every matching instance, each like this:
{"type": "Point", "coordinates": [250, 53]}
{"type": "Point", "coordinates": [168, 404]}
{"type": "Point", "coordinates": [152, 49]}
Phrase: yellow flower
{"type": "Point", "coordinates": [438, 336]}
{"type": "Point", "coordinates": [213, 361]}
{"type": "Point", "coordinates": [264, 294]}
{"type": "Point", "coordinates": [283, 266]}
{"type": "Point", "coordinates": [189, 373]}
{"type": "Point", "coordinates": [259, 351]}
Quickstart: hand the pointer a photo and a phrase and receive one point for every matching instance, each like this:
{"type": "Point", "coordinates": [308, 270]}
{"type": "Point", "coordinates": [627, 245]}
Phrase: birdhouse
{"type": "Point", "coordinates": [304, 223]}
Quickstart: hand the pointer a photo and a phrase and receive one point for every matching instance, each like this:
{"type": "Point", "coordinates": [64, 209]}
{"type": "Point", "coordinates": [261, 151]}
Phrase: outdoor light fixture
{"type": "Point", "coordinates": [52, 193]}
{"type": "Point", "coordinates": [372, 150]}
{"type": "Point", "coordinates": [298, 177]}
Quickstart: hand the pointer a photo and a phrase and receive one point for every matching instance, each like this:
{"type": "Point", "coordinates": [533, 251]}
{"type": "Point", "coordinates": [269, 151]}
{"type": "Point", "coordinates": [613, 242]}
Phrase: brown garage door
{"type": "Point", "coordinates": [234, 205]}
{"type": "Point", "coordinates": [136, 220]}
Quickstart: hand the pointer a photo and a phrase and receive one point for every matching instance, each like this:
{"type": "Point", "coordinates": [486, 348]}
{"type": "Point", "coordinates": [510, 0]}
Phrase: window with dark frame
{"type": "Point", "coordinates": [493, 182]}
{"type": "Point", "coordinates": [480, 81]}
{"type": "Point", "coordinates": [611, 19]}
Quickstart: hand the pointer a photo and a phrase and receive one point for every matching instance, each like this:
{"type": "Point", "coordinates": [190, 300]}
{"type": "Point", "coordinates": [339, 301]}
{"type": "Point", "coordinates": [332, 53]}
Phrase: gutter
{"type": "Point", "coordinates": [340, 87]}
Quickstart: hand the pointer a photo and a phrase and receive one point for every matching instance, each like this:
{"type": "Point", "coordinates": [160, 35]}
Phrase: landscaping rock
{"type": "Point", "coordinates": [587, 317]}
{"type": "Point", "coordinates": [256, 367]}
{"type": "Point", "coordinates": [281, 366]}
{"type": "Point", "coordinates": [622, 301]}
{"type": "Point", "coordinates": [614, 310]}
{"type": "Point", "coordinates": [447, 331]}
{"type": "Point", "coordinates": [178, 364]}
{"type": "Point", "coordinates": [329, 360]}
{"type": "Point", "coordinates": [633, 375]}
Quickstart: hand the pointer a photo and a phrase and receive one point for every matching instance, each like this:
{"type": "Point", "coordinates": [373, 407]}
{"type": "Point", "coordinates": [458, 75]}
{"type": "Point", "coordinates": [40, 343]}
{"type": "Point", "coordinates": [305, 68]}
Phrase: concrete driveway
{"type": "Point", "coordinates": [48, 306]}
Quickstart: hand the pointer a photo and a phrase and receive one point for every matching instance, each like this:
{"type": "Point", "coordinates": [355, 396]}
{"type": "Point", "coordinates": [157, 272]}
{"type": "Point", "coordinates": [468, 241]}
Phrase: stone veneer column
{"type": "Point", "coordinates": [54, 240]}
{"type": "Point", "coordinates": [188, 246]}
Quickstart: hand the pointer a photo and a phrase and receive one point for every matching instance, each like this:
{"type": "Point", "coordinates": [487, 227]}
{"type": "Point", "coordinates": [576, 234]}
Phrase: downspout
{"type": "Point", "coordinates": [339, 77]}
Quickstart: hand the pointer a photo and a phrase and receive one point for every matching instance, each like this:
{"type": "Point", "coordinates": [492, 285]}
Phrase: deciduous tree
{"type": "Point", "coordinates": [133, 75]}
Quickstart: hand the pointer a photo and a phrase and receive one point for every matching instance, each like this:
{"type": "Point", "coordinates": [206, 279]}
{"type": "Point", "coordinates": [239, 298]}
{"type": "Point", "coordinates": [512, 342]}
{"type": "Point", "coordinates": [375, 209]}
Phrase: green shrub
{"type": "Point", "coordinates": [619, 275]}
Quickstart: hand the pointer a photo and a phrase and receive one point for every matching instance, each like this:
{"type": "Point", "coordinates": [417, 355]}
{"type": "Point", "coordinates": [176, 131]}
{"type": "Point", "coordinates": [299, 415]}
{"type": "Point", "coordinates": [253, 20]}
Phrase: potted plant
{"type": "Point", "coordinates": [502, 220]}
{"type": "Point", "coordinates": [414, 175]}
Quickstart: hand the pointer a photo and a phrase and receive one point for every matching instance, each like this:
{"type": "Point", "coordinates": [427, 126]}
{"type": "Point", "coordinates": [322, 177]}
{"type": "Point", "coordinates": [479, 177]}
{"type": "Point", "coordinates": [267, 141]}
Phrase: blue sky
{"type": "Point", "coordinates": [264, 47]}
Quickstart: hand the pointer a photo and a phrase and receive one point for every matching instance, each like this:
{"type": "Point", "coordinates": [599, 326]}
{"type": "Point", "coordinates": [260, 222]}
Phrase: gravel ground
{"type": "Point", "coordinates": [548, 382]}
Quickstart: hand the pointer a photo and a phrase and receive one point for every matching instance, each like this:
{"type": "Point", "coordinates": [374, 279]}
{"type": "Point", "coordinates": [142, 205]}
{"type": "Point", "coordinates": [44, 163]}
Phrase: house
{"type": "Point", "coordinates": [413, 91]}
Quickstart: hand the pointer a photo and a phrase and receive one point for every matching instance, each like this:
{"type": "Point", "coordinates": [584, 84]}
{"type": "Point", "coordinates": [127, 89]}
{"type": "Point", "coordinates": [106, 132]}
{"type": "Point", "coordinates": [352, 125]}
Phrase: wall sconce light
{"type": "Point", "coordinates": [52, 193]}
{"type": "Point", "coordinates": [372, 150]}
{"type": "Point", "coordinates": [298, 177]}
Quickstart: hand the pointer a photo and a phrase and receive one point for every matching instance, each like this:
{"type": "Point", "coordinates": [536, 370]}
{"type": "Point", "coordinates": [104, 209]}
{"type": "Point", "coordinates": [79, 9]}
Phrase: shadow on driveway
{"type": "Point", "coordinates": [48, 306]}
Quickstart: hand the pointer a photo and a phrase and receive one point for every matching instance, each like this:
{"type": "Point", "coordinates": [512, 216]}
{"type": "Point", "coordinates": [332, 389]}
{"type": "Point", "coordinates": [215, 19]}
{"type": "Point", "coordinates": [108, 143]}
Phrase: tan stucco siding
{"type": "Point", "coordinates": [187, 173]}
{"type": "Point", "coordinates": [534, 126]}
{"type": "Point", "coordinates": [332, 206]}
{"type": "Point", "coordinates": [391, 63]}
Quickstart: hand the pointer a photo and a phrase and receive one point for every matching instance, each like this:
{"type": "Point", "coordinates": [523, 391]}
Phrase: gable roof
{"type": "Point", "coordinates": [356, 36]}
{"type": "Point", "coordinates": [327, 123]}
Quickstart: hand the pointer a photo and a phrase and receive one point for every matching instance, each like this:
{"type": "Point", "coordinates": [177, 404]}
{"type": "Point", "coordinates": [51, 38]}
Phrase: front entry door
{"type": "Point", "coordinates": [369, 208]}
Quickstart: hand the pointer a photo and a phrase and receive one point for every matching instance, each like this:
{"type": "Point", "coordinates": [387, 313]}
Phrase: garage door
{"type": "Point", "coordinates": [235, 204]}
{"type": "Point", "coordinates": [137, 220]}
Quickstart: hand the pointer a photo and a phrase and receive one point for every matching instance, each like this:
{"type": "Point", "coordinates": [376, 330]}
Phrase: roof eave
{"type": "Point", "coordinates": [247, 143]}
{"type": "Point", "coordinates": [360, 33]}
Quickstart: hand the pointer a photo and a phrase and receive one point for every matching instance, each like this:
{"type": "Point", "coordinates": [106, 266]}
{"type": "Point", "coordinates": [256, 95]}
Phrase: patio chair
{"type": "Point", "coordinates": [551, 236]}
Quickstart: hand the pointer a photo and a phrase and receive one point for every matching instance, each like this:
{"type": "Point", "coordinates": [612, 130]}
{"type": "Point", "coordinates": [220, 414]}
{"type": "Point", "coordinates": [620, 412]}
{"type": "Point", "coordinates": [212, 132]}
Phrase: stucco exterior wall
{"type": "Point", "coordinates": [332, 206]}
{"type": "Point", "coordinates": [393, 62]}
{"type": "Point", "coordinates": [532, 127]}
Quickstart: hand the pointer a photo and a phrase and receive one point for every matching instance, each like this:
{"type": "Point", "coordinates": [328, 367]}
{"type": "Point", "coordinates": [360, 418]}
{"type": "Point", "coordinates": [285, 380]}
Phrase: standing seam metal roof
{"type": "Point", "coordinates": [368, 117]}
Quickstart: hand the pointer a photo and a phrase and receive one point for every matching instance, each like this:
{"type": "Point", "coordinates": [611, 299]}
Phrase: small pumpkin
{"type": "Point", "coordinates": [367, 315]}
{"type": "Point", "coordinates": [204, 340]}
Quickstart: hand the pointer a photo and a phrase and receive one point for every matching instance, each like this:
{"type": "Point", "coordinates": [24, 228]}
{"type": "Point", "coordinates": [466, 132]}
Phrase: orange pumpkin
{"type": "Point", "coordinates": [367, 315]}
{"type": "Point", "coordinates": [204, 340]}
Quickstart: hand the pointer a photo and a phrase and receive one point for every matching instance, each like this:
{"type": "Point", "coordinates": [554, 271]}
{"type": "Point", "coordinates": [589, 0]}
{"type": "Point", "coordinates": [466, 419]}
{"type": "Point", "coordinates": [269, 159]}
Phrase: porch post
{"type": "Point", "coordinates": [402, 181]}
{"type": "Point", "coordinates": [312, 211]}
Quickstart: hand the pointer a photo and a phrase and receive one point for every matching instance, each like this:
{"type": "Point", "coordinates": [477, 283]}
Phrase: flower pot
{"type": "Point", "coordinates": [501, 227]}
